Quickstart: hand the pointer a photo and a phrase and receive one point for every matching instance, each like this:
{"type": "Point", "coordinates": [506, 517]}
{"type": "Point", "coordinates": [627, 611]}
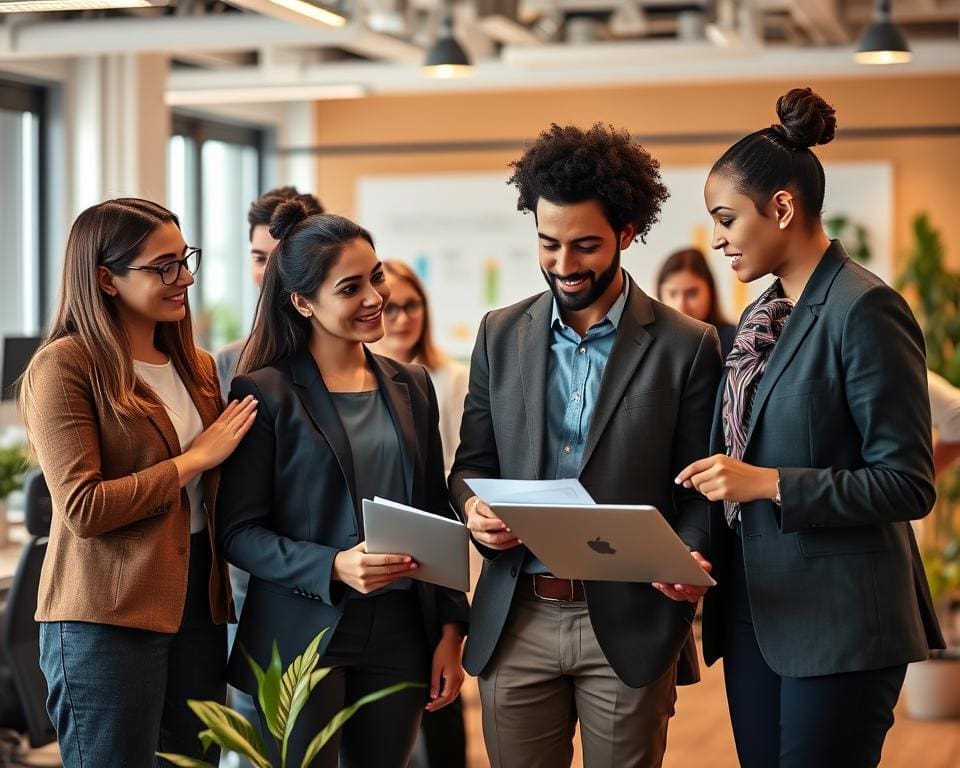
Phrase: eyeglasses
{"type": "Point", "coordinates": [411, 309]}
{"type": "Point", "coordinates": [170, 272]}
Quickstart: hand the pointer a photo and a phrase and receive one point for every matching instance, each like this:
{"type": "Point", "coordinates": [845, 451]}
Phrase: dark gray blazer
{"type": "Point", "coordinates": [288, 504]}
{"type": "Point", "coordinates": [834, 578]}
{"type": "Point", "coordinates": [652, 419]}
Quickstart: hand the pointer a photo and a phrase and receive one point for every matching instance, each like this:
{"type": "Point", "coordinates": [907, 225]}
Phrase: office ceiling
{"type": "Point", "coordinates": [220, 46]}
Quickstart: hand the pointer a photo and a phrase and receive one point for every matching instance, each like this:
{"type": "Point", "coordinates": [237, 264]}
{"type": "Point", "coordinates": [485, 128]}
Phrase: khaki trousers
{"type": "Point", "coordinates": [547, 673]}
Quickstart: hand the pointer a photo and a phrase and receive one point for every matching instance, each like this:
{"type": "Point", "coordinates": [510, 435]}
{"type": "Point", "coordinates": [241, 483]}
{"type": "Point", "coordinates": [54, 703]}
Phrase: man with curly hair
{"type": "Point", "coordinates": [591, 379]}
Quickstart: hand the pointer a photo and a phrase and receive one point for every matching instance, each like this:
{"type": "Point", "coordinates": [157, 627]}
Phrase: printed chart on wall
{"type": "Point", "coordinates": [474, 251]}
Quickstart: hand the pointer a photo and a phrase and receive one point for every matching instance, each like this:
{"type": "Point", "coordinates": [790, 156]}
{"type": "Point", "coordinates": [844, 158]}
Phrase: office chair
{"type": "Point", "coordinates": [19, 633]}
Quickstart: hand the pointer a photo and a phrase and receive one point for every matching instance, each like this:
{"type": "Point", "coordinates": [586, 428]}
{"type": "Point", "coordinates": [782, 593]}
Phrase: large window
{"type": "Point", "coordinates": [21, 289]}
{"type": "Point", "coordinates": [213, 175]}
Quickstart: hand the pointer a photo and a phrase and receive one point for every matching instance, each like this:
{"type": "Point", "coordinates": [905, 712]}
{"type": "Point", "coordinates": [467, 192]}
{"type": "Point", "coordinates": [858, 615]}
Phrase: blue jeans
{"type": "Point", "coordinates": [118, 695]}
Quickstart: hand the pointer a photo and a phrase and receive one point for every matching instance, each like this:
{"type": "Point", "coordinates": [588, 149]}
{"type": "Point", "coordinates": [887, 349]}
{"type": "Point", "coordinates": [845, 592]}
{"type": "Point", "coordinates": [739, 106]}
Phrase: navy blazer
{"type": "Point", "coordinates": [834, 576]}
{"type": "Point", "coordinates": [288, 504]}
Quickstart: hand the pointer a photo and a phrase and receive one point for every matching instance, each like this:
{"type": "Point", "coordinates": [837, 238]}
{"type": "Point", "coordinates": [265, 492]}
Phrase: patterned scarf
{"type": "Point", "coordinates": [746, 363]}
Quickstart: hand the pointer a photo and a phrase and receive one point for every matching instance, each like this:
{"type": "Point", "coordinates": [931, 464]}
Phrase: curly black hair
{"type": "Point", "coordinates": [569, 165]}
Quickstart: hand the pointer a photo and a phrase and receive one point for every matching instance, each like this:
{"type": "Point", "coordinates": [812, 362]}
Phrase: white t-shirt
{"type": "Point", "coordinates": [944, 407]}
{"type": "Point", "coordinates": [166, 383]}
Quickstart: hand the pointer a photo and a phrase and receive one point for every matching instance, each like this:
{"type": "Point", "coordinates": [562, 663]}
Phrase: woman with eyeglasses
{"type": "Point", "coordinates": [124, 414]}
{"type": "Point", "coordinates": [408, 337]}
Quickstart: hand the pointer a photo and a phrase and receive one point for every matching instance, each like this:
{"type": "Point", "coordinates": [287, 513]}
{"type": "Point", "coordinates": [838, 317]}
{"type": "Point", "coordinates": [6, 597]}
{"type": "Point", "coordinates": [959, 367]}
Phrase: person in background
{"type": "Point", "coordinates": [408, 338]}
{"type": "Point", "coordinates": [261, 246]}
{"type": "Point", "coordinates": [291, 497]}
{"type": "Point", "coordinates": [686, 283]}
{"type": "Point", "coordinates": [124, 415]}
{"type": "Point", "coordinates": [945, 412]}
{"type": "Point", "coordinates": [821, 457]}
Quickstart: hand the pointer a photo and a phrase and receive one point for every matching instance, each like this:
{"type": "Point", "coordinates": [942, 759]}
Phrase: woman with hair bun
{"type": "Point", "coordinates": [336, 424]}
{"type": "Point", "coordinates": [822, 458]}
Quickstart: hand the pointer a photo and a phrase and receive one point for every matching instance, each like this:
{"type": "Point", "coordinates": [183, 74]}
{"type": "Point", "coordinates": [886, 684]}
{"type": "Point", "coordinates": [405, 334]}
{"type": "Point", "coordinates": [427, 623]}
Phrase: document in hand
{"type": "Point", "coordinates": [497, 491]}
{"type": "Point", "coordinates": [438, 544]}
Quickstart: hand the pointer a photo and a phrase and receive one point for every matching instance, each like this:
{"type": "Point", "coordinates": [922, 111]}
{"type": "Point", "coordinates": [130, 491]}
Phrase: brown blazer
{"type": "Point", "coordinates": [119, 546]}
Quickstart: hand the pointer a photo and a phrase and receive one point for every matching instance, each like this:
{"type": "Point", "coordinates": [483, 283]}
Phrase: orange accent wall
{"type": "Point", "coordinates": [926, 169]}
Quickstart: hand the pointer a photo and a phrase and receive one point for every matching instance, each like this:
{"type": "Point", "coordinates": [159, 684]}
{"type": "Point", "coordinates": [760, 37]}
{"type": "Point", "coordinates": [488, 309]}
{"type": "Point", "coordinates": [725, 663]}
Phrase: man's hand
{"type": "Point", "coordinates": [685, 592]}
{"type": "Point", "coordinates": [723, 478]}
{"type": "Point", "coordinates": [486, 528]}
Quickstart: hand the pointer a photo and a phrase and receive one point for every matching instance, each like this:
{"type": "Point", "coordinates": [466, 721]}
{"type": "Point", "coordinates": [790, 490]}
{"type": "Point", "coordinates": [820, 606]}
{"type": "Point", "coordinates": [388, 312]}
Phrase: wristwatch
{"type": "Point", "coordinates": [776, 499]}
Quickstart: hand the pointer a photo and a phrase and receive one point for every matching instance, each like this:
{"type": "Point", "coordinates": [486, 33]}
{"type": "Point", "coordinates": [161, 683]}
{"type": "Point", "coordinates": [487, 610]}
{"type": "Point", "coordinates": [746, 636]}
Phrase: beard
{"type": "Point", "coordinates": [598, 284]}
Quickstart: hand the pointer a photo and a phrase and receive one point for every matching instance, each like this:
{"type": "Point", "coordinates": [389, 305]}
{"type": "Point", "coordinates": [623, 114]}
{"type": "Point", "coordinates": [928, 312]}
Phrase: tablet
{"type": "Point", "coordinates": [604, 542]}
{"type": "Point", "coordinates": [438, 544]}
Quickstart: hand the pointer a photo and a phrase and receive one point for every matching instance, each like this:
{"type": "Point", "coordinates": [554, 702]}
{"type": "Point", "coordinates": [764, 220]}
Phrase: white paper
{"type": "Point", "coordinates": [497, 491]}
{"type": "Point", "coordinates": [397, 505]}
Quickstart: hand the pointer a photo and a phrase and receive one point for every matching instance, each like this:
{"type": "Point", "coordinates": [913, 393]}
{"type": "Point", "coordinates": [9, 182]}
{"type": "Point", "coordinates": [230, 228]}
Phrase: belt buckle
{"type": "Point", "coordinates": [552, 599]}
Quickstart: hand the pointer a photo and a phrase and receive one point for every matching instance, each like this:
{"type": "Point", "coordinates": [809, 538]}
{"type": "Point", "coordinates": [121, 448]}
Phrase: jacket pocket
{"type": "Point", "coordinates": [797, 388]}
{"type": "Point", "coordinates": [650, 398]}
{"type": "Point", "coordinates": [840, 541]}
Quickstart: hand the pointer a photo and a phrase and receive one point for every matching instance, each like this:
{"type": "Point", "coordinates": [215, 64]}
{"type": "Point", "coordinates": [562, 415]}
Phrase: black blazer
{"type": "Point", "coordinates": [834, 577]}
{"type": "Point", "coordinates": [288, 504]}
{"type": "Point", "coordinates": [652, 418]}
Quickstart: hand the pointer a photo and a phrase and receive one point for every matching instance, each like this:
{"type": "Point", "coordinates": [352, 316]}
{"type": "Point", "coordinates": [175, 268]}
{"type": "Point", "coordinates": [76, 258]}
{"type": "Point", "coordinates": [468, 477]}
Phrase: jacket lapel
{"type": "Point", "coordinates": [802, 319]}
{"type": "Point", "coordinates": [319, 406]}
{"type": "Point", "coordinates": [533, 347]}
{"type": "Point", "coordinates": [632, 343]}
{"type": "Point", "coordinates": [397, 395]}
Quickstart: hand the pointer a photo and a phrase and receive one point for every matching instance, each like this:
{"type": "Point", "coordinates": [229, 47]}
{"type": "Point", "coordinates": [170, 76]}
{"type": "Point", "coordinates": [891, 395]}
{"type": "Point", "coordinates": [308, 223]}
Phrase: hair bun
{"type": "Point", "coordinates": [286, 216]}
{"type": "Point", "coordinates": [805, 118]}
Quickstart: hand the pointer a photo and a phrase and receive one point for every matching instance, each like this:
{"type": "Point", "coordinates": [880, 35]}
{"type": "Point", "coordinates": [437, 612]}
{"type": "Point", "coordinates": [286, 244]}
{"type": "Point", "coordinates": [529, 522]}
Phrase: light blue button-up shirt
{"type": "Point", "coordinates": [574, 371]}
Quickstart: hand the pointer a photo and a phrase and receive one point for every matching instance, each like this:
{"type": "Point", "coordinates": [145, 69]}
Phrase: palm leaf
{"type": "Point", "coordinates": [183, 761]}
{"type": "Point", "coordinates": [295, 687]}
{"type": "Point", "coordinates": [268, 689]}
{"type": "Point", "coordinates": [229, 730]}
{"type": "Point", "coordinates": [337, 721]}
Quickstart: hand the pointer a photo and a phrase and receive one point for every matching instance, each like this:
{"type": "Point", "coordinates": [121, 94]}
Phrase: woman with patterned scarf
{"type": "Point", "coordinates": [822, 458]}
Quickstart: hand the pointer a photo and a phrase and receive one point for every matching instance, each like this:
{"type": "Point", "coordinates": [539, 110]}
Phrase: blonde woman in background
{"type": "Point", "coordinates": [409, 339]}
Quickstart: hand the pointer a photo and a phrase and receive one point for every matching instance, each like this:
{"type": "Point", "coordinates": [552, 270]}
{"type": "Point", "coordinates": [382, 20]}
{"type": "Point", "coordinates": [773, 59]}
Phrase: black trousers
{"type": "Point", "coordinates": [380, 641]}
{"type": "Point", "coordinates": [832, 721]}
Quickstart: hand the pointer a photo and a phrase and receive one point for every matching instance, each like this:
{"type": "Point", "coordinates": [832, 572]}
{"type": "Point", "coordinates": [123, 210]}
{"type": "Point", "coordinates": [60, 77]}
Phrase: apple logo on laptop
{"type": "Point", "coordinates": [601, 547]}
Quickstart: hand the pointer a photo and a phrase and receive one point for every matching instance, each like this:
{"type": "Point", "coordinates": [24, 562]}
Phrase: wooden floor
{"type": "Point", "coordinates": [700, 735]}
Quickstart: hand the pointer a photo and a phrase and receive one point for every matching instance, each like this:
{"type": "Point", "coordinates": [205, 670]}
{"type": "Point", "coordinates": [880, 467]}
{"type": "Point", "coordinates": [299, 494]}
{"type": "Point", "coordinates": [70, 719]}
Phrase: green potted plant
{"type": "Point", "coordinates": [932, 688]}
{"type": "Point", "coordinates": [281, 695]}
{"type": "Point", "coordinates": [13, 465]}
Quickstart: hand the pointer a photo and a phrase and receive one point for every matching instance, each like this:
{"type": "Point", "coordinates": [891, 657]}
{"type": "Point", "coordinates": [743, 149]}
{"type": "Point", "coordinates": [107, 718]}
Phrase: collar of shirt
{"type": "Point", "coordinates": [613, 316]}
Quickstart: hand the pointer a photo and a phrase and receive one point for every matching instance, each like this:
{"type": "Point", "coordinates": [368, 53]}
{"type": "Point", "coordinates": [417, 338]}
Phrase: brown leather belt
{"type": "Point", "coordinates": [557, 590]}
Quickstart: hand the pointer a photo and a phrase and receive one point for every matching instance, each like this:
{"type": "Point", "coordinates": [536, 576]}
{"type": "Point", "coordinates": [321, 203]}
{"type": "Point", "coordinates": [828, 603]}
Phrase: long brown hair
{"type": "Point", "coordinates": [112, 234]}
{"type": "Point", "coordinates": [424, 350]}
{"type": "Point", "coordinates": [692, 260]}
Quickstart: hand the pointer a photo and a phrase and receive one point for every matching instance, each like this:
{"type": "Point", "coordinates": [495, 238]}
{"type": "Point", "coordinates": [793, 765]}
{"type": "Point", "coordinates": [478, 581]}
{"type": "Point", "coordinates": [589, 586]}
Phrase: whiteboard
{"type": "Point", "coordinates": [474, 251]}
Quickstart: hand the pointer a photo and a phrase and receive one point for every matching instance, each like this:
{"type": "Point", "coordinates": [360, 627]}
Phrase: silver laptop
{"type": "Point", "coordinates": [604, 542]}
{"type": "Point", "coordinates": [438, 544]}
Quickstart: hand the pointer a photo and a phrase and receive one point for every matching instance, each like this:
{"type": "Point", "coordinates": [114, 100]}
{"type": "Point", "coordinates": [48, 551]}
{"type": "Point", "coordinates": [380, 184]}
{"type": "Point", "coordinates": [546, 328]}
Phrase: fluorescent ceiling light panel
{"type": "Point", "coordinates": [312, 11]}
{"type": "Point", "coordinates": [201, 96]}
{"type": "Point", "coordinates": [33, 6]}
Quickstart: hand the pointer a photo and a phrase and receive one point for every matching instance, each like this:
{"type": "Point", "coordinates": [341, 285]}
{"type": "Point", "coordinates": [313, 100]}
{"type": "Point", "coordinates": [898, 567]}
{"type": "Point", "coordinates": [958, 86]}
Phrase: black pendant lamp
{"type": "Point", "coordinates": [446, 58]}
{"type": "Point", "coordinates": [883, 42]}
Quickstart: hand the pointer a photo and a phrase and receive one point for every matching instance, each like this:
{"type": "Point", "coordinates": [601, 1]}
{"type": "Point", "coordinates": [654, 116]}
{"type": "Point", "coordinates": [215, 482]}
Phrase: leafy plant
{"type": "Point", "coordinates": [13, 465]}
{"type": "Point", "coordinates": [282, 696]}
{"type": "Point", "coordinates": [854, 236]}
{"type": "Point", "coordinates": [936, 291]}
